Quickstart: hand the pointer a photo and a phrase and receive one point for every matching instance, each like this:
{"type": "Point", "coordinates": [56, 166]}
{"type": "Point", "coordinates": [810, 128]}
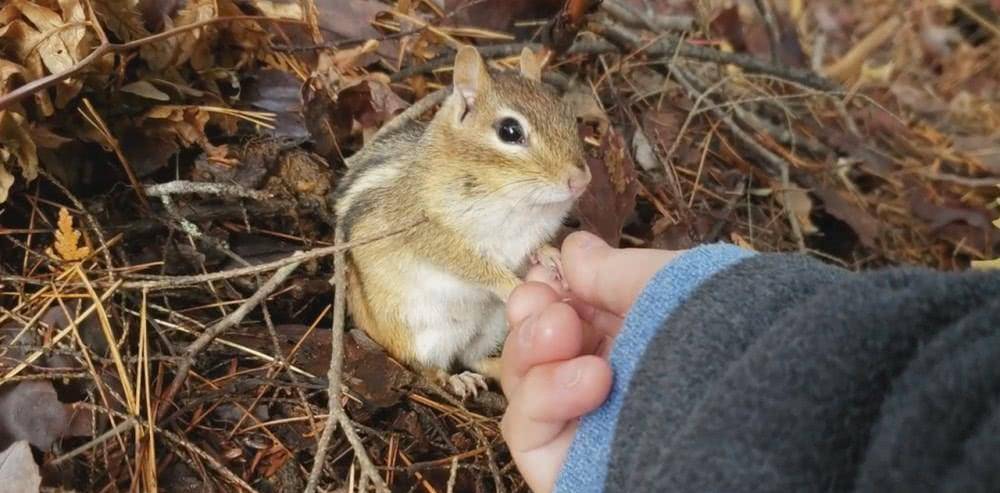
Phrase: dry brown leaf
{"type": "Point", "coordinates": [18, 471]}
{"type": "Point", "coordinates": [838, 204]}
{"type": "Point", "coordinates": [280, 9]}
{"type": "Point", "coordinates": [45, 138]}
{"type": "Point", "coordinates": [279, 93]}
{"type": "Point", "coordinates": [146, 90]}
{"type": "Point", "coordinates": [185, 123]}
{"type": "Point", "coordinates": [586, 107]}
{"type": "Point", "coordinates": [6, 179]}
{"type": "Point", "coordinates": [23, 43]}
{"type": "Point", "coordinates": [10, 73]}
{"type": "Point", "coordinates": [67, 243]}
{"type": "Point", "coordinates": [194, 46]}
{"type": "Point", "coordinates": [63, 41]}
{"type": "Point", "coordinates": [798, 202]}
{"type": "Point", "coordinates": [31, 411]}
{"type": "Point", "coordinates": [16, 147]}
{"type": "Point", "coordinates": [610, 198]}
{"type": "Point", "coordinates": [121, 18]}
{"type": "Point", "coordinates": [56, 54]}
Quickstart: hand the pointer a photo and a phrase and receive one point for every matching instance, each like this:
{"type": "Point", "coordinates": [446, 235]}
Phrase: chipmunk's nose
{"type": "Point", "coordinates": [578, 181]}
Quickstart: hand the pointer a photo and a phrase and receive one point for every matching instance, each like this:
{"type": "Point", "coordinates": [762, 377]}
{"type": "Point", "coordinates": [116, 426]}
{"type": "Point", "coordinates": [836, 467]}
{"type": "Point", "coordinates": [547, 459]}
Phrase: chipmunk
{"type": "Point", "coordinates": [488, 182]}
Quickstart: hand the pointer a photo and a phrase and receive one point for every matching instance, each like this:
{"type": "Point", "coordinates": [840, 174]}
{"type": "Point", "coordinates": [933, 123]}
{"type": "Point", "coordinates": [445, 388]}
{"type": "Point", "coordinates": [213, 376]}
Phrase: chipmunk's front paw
{"type": "Point", "coordinates": [550, 257]}
{"type": "Point", "coordinates": [466, 383]}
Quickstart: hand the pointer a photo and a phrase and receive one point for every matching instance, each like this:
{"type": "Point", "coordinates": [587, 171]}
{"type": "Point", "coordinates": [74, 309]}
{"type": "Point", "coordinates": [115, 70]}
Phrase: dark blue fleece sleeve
{"type": "Point", "coordinates": [586, 466]}
{"type": "Point", "coordinates": [776, 372]}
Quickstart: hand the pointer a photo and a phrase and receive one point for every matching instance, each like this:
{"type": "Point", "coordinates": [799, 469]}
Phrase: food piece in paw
{"type": "Point", "coordinates": [549, 257]}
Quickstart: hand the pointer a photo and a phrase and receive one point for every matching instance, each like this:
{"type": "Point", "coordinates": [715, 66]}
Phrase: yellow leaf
{"type": "Point", "coordinates": [67, 243]}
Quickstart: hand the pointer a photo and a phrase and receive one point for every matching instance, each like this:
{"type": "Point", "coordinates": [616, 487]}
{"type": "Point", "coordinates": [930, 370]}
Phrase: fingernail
{"type": "Point", "coordinates": [525, 330]}
{"type": "Point", "coordinates": [569, 374]}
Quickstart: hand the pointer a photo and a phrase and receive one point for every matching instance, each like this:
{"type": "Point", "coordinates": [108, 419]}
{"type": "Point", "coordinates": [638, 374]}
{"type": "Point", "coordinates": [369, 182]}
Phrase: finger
{"type": "Point", "coordinates": [609, 278]}
{"type": "Point", "coordinates": [527, 300]}
{"type": "Point", "coordinates": [540, 467]}
{"type": "Point", "coordinates": [551, 395]}
{"type": "Point", "coordinates": [602, 321]}
{"type": "Point", "coordinates": [555, 334]}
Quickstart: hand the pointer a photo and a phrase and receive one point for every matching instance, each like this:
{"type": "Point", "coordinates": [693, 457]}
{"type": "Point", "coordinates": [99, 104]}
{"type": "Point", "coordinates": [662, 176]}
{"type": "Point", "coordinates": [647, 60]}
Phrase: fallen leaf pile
{"type": "Point", "coordinates": [161, 160]}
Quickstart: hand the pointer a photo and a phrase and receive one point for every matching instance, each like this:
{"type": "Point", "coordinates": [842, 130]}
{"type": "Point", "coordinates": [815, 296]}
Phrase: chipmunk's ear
{"type": "Point", "coordinates": [470, 77]}
{"type": "Point", "coordinates": [531, 67]}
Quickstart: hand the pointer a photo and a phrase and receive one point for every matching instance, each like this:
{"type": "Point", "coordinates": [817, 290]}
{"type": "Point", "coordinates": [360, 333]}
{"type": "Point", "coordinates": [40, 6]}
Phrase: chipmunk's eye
{"type": "Point", "coordinates": [510, 131]}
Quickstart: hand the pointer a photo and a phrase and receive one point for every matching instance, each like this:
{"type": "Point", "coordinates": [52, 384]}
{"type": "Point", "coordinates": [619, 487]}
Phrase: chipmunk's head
{"type": "Point", "coordinates": [509, 135]}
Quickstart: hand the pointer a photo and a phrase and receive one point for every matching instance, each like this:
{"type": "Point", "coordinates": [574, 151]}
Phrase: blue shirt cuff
{"type": "Point", "coordinates": [586, 465]}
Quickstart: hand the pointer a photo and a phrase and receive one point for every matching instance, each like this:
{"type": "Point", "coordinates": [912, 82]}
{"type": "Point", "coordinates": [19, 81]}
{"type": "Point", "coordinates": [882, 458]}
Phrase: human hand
{"type": "Point", "coordinates": [554, 363]}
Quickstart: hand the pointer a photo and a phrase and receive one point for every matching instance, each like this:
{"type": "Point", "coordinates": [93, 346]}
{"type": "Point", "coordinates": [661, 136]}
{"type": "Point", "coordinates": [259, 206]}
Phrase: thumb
{"type": "Point", "coordinates": [609, 278]}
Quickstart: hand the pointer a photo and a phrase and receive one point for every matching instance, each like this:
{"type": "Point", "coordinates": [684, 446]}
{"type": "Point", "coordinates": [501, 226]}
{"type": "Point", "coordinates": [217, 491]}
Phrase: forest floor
{"type": "Point", "coordinates": [166, 246]}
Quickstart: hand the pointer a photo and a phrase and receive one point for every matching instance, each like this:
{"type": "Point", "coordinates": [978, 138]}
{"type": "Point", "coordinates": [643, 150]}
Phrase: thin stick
{"type": "Point", "coordinates": [334, 391]}
{"type": "Point", "coordinates": [627, 16]}
{"type": "Point", "coordinates": [453, 475]}
{"type": "Point", "coordinates": [295, 258]}
{"type": "Point", "coordinates": [124, 426]}
{"type": "Point", "coordinates": [182, 187]}
{"type": "Point", "coordinates": [667, 45]}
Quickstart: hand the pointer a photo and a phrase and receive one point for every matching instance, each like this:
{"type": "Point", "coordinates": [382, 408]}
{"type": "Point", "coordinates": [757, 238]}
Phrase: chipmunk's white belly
{"type": "Point", "coordinates": [510, 235]}
{"type": "Point", "coordinates": [451, 318]}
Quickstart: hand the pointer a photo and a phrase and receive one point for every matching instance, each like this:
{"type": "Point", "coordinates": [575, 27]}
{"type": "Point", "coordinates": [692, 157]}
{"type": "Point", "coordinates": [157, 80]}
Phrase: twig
{"type": "Point", "coordinates": [295, 258]}
{"type": "Point", "coordinates": [212, 332]}
{"type": "Point", "coordinates": [453, 475]}
{"type": "Point", "coordinates": [182, 187]}
{"type": "Point", "coordinates": [336, 410]}
{"type": "Point", "coordinates": [667, 45]}
{"type": "Point", "coordinates": [126, 425]}
{"type": "Point", "coordinates": [773, 34]}
{"type": "Point", "coordinates": [652, 22]}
